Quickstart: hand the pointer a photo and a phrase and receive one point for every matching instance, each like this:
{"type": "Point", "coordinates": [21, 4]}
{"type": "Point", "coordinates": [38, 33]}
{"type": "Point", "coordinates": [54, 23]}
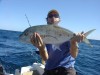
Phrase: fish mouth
{"type": "Point", "coordinates": [20, 35]}
{"type": "Point", "coordinates": [24, 39]}
{"type": "Point", "coordinates": [21, 38]}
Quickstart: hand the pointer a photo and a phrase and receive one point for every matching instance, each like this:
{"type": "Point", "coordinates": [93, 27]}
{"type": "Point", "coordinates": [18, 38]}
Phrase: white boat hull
{"type": "Point", "coordinates": [35, 69]}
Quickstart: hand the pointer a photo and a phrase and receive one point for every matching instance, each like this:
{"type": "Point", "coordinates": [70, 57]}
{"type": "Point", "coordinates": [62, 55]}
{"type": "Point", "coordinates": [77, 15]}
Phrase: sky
{"type": "Point", "coordinates": [76, 15]}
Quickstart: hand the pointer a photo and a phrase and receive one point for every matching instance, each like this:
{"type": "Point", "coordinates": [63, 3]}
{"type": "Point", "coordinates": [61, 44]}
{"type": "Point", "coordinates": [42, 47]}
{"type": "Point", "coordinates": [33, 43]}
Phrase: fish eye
{"type": "Point", "coordinates": [26, 34]}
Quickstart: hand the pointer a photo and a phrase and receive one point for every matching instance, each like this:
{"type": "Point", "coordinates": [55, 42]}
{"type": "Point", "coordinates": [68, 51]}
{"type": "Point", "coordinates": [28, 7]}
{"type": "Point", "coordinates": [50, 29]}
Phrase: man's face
{"type": "Point", "coordinates": [53, 18]}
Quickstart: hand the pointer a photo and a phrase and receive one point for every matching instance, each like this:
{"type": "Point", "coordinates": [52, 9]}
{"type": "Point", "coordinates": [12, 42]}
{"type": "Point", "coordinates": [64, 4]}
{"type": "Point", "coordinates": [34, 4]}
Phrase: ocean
{"type": "Point", "coordinates": [15, 54]}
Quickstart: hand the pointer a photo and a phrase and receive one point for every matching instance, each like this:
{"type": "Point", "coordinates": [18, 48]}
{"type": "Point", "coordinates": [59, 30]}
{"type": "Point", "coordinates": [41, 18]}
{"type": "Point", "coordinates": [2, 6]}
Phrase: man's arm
{"type": "Point", "coordinates": [38, 42]}
{"type": "Point", "coordinates": [43, 53]}
{"type": "Point", "coordinates": [74, 44]}
{"type": "Point", "coordinates": [74, 49]}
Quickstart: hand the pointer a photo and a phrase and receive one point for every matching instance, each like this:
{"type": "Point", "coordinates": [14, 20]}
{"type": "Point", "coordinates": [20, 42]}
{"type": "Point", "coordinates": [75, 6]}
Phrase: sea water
{"type": "Point", "coordinates": [15, 54]}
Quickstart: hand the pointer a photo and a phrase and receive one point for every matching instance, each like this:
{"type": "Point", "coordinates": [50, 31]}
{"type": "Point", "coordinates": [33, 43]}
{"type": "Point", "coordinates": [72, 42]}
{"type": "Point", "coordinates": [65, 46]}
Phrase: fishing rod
{"type": "Point", "coordinates": [27, 20]}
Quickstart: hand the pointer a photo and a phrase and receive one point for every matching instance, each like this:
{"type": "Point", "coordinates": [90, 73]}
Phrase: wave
{"type": "Point", "coordinates": [14, 54]}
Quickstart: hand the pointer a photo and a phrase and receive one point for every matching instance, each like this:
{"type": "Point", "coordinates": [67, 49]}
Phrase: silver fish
{"type": "Point", "coordinates": [51, 34]}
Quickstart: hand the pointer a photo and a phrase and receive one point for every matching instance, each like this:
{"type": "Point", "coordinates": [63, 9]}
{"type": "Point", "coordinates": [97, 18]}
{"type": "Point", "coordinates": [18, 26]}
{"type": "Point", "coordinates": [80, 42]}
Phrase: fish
{"type": "Point", "coordinates": [51, 34]}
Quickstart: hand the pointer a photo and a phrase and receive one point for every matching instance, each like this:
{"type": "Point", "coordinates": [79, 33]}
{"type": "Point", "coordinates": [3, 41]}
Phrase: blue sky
{"type": "Point", "coordinates": [76, 15]}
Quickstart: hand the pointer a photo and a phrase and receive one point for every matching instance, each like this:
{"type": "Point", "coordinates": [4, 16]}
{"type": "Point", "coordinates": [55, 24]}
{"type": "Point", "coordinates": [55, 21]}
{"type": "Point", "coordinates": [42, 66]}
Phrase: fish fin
{"type": "Point", "coordinates": [87, 42]}
{"type": "Point", "coordinates": [85, 39]}
{"type": "Point", "coordinates": [87, 33]}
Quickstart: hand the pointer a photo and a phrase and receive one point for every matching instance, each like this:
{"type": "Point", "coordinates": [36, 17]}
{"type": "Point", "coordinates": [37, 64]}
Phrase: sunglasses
{"type": "Point", "coordinates": [53, 15]}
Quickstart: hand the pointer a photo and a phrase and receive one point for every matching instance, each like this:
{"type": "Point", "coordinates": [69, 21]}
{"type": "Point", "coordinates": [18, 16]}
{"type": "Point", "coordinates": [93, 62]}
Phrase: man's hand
{"type": "Point", "coordinates": [74, 44]}
{"type": "Point", "coordinates": [37, 41]}
{"type": "Point", "coordinates": [78, 38]}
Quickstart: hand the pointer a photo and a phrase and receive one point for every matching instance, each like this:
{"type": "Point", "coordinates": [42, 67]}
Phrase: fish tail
{"type": "Point", "coordinates": [85, 39]}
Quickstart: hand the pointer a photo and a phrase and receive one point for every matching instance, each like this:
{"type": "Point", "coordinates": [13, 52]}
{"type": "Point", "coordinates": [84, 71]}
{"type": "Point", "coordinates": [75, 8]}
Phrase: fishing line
{"type": "Point", "coordinates": [27, 20]}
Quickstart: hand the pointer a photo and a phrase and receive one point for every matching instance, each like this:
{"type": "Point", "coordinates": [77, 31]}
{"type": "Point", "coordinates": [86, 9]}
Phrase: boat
{"type": "Point", "coordinates": [34, 69]}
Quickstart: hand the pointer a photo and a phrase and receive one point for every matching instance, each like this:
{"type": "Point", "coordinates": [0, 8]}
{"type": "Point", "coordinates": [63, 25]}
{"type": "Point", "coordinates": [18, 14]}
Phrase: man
{"type": "Point", "coordinates": [58, 61]}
